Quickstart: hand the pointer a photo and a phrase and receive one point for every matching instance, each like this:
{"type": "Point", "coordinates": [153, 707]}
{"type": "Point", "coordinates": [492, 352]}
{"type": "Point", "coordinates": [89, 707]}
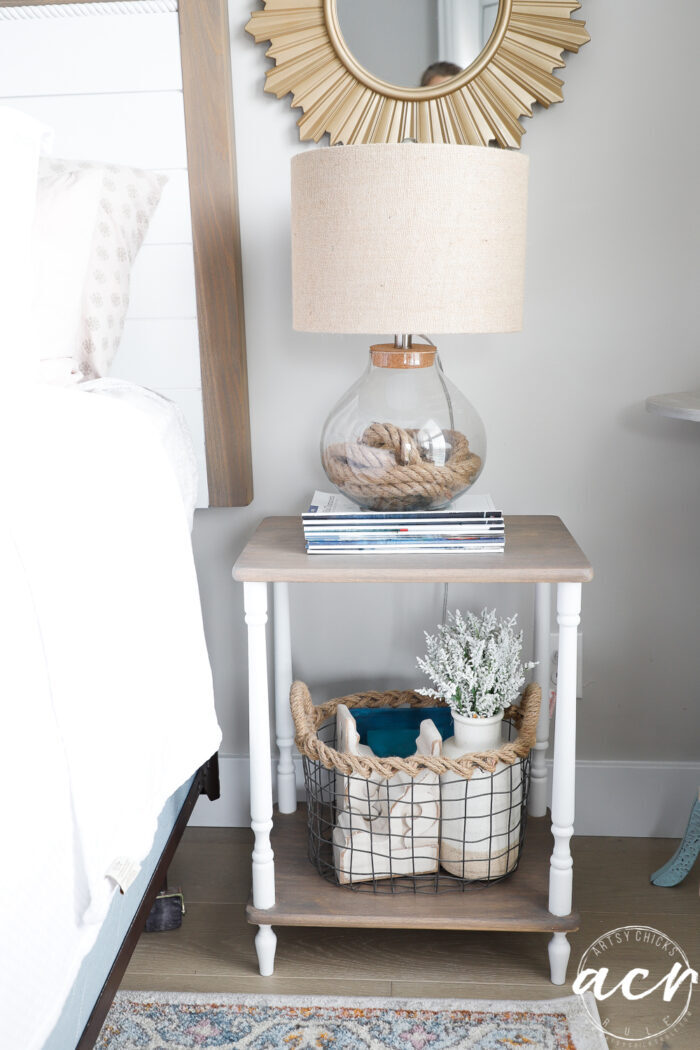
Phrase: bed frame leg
{"type": "Point", "coordinates": [265, 945]}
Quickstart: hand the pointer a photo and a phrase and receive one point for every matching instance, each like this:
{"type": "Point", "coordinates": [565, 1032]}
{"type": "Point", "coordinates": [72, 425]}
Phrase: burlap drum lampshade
{"type": "Point", "coordinates": [400, 239]}
{"type": "Point", "coordinates": [408, 238]}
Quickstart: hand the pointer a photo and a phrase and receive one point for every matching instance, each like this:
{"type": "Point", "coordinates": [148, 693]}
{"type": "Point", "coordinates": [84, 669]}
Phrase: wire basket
{"type": "Point", "coordinates": [422, 824]}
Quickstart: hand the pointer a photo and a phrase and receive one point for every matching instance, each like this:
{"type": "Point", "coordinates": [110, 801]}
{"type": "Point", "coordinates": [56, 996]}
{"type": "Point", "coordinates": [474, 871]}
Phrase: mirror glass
{"type": "Point", "coordinates": [398, 40]}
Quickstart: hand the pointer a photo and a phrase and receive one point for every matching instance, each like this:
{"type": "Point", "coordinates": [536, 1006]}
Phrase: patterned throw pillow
{"type": "Point", "coordinates": [128, 198]}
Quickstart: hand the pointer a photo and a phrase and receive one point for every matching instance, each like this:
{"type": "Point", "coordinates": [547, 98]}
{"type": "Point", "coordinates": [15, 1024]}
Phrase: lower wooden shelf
{"type": "Point", "coordinates": [304, 898]}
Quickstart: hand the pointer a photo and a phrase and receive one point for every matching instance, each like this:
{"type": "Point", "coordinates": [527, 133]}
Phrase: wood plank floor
{"type": "Point", "coordinates": [214, 952]}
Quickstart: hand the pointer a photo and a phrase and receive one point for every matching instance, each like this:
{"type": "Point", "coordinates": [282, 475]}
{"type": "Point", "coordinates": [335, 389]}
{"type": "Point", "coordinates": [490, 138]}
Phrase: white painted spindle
{"type": "Point", "coordinates": [255, 600]}
{"type": "Point", "coordinates": [559, 952]}
{"type": "Point", "coordinates": [537, 799]}
{"type": "Point", "coordinates": [564, 773]}
{"type": "Point", "coordinates": [265, 945]}
{"type": "Point", "coordinates": [284, 723]}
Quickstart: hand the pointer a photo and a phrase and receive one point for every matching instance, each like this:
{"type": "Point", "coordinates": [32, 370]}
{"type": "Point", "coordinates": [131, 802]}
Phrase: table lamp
{"type": "Point", "coordinates": [406, 238]}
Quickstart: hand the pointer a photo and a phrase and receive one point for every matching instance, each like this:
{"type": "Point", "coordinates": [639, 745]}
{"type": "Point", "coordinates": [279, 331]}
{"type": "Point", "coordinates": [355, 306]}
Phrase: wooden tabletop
{"type": "Point", "coordinates": [538, 549]}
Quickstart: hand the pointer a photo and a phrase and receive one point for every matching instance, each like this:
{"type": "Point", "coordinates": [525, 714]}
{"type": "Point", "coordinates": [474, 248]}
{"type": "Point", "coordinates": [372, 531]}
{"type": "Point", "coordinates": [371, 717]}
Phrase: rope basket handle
{"type": "Point", "coordinates": [308, 718]}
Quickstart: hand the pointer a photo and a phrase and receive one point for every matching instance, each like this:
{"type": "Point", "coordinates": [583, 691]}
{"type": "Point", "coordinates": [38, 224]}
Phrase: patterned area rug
{"type": "Point", "coordinates": [155, 1021]}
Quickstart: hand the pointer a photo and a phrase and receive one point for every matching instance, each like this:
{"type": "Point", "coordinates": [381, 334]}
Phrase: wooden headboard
{"type": "Point", "coordinates": [215, 236]}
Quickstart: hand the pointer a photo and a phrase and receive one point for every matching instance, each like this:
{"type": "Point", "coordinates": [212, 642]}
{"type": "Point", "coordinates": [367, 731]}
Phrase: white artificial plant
{"type": "Point", "coordinates": [474, 663]}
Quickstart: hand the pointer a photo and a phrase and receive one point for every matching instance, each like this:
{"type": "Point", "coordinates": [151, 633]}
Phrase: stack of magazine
{"type": "Point", "coordinates": [335, 525]}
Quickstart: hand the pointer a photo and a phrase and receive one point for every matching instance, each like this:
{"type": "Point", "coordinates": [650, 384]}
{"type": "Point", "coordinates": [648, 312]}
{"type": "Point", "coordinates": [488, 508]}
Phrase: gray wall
{"type": "Point", "coordinates": [611, 317]}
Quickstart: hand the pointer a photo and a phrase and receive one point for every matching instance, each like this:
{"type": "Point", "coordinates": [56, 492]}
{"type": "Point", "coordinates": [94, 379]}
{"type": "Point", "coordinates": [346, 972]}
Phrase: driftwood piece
{"type": "Point", "coordinates": [385, 826]}
{"type": "Point", "coordinates": [359, 794]}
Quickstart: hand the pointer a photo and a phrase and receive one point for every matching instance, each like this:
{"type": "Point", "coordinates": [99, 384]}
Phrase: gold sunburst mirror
{"type": "Point", "coordinates": [498, 58]}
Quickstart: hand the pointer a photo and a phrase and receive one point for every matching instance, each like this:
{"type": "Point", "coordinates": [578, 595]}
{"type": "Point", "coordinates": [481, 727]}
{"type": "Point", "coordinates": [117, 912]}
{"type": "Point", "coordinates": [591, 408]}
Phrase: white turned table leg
{"type": "Point", "coordinates": [284, 723]}
{"type": "Point", "coordinates": [559, 952]}
{"type": "Point", "coordinates": [255, 602]}
{"type": "Point", "coordinates": [537, 798]}
{"type": "Point", "coordinates": [265, 945]}
{"type": "Point", "coordinates": [564, 774]}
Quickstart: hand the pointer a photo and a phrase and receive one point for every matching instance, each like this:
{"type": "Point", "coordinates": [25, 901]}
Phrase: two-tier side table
{"type": "Point", "coordinates": [287, 891]}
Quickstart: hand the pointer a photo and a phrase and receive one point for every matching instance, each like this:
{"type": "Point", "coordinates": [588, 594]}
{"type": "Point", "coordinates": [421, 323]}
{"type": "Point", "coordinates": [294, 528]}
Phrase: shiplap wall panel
{"type": "Point", "coordinates": [163, 282]}
{"type": "Point", "coordinates": [110, 87]}
{"type": "Point", "coordinates": [143, 129]}
{"type": "Point", "coordinates": [116, 53]}
{"type": "Point", "coordinates": [172, 222]}
{"type": "Point", "coordinates": [173, 352]}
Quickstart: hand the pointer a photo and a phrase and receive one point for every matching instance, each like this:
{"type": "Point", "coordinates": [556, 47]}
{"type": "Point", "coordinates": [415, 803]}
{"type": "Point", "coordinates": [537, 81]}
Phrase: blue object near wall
{"type": "Point", "coordinates": [393, 730]}
{"type": "Point", "coordinates": [675, 870]}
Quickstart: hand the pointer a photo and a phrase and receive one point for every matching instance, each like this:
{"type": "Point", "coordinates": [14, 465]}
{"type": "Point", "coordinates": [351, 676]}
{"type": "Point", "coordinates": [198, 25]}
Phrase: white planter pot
{"type": "Point", "coordinates": [480, 826]}
{"type": "Point", "coordinates": [475, 734]}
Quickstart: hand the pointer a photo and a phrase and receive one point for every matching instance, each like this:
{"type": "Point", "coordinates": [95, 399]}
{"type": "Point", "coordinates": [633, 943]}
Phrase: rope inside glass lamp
{"type": "Point", "coordinates": [388, 470]}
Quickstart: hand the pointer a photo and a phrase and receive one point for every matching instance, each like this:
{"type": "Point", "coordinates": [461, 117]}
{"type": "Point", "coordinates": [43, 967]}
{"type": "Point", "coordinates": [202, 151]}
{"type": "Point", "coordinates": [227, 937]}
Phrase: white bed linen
{"type": "Point", "coordinates": [104, 677]}
{"type": "Point", "coordinates": [168, 421]}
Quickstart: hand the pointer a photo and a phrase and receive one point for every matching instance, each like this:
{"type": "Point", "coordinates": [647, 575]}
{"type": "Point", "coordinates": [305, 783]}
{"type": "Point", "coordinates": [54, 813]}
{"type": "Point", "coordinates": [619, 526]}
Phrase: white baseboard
{"type": "Point", "coordinates": [643, 799]}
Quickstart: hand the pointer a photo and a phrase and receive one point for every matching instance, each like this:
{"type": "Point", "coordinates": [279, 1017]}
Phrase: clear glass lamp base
{"type": "Point", "coordinates": [403, 437]}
